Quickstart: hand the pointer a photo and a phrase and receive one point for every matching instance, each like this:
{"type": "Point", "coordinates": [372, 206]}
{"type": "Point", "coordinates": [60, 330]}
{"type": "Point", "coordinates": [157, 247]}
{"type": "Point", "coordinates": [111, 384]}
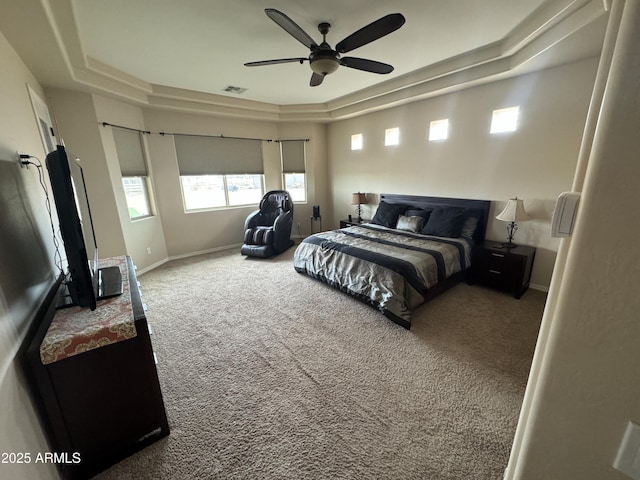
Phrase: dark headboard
{"type": "Point", "coordinates": [482, 206]}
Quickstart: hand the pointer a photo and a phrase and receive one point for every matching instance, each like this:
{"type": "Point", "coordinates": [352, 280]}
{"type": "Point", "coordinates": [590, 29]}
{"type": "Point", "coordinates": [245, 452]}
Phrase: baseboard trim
{"type": "Point", "coordinates": [540, 288]}
{"type": "Point", "coordinates": [187, 255]}
{"type": "Point", "coordinates": [148, 268]}
{"type": "Point", "coordinates": [203, 252]}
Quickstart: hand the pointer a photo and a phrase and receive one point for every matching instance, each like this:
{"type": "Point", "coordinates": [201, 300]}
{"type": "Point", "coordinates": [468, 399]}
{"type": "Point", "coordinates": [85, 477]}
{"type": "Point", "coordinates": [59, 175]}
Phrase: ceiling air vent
{"type": "Point", "coordinates": [232, 89]}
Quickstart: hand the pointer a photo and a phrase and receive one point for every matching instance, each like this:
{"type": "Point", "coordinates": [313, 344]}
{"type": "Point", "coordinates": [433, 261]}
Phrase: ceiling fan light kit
{"type": "Point", "coordinates": [324, 60]}
{"type": "Point", "coordinates": [323, 64]}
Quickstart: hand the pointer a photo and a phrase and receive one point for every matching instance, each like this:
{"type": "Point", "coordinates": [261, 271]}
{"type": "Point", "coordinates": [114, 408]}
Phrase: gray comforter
{"type": "Point", "coordinates": [389, 269]}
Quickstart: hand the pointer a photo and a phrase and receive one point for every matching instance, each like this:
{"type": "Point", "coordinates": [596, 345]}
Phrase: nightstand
{"type": "Point", "coordinates": [350, 223]}
{"type": "Point", "coordinates": [507, 269]}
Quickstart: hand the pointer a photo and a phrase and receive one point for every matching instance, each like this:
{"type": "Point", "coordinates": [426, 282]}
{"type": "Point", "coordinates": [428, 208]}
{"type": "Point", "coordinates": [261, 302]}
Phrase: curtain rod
{"type": "Point", "coordinates": [213, 136]}
{"type": "Point", "coordinates": [105, 124]}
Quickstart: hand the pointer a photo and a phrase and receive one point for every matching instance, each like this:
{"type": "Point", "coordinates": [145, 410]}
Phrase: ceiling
{"type": "Point", "coordinates": [184, 54]}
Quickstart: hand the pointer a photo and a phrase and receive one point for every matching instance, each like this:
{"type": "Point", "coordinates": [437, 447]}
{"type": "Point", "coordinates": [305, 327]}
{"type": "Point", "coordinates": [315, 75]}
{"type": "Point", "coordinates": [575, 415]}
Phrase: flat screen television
{"type": "Point", "coordinates": [85, 283]}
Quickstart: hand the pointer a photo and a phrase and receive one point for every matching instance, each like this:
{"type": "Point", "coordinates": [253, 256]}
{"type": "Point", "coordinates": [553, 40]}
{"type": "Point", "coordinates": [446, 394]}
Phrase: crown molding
{"type": "Point", "coordinates": [543, 29]}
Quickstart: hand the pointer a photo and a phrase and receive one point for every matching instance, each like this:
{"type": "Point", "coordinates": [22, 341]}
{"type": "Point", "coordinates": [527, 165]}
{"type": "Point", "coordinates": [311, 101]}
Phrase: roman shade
{"type": "Point", "coordinates": [130, 153]}
{"type": "Point", "coordinates": [292, 156]}
{"type": "Point", "coordinates": [200, 155]}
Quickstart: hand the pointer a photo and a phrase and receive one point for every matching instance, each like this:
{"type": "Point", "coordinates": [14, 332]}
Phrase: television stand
{"type": "Point", "coordinates": [109, 282]}
{"type": "Point", "coordinates": [94, 378]}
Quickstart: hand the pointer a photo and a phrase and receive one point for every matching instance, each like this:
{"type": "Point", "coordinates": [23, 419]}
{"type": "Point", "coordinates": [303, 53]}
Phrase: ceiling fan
{"type": "Point", "coordinates": [325, 60]}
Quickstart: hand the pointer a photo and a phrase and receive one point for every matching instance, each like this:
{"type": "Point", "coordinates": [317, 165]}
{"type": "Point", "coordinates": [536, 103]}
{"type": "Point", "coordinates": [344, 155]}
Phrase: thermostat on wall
{"type": "Point", "coordinates": [564, 214]}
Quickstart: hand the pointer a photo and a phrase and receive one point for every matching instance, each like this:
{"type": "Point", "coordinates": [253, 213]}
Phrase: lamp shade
{"type": "Point", "coordinates": [358, 198]}
{"type": "Point", "coordinates": [514, 211]}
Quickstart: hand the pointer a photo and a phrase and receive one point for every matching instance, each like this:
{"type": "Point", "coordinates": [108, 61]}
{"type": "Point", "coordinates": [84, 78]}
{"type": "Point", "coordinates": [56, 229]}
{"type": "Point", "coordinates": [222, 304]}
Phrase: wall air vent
{"type": "Point", "coordinates": [233, 89]}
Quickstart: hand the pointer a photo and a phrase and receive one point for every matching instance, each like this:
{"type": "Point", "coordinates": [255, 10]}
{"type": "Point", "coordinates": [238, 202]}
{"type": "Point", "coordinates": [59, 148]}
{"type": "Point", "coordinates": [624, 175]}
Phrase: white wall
{"type": "Point", "coordinates": [26, 268]}
{"type": "Point", "coordinates": [536, 162]}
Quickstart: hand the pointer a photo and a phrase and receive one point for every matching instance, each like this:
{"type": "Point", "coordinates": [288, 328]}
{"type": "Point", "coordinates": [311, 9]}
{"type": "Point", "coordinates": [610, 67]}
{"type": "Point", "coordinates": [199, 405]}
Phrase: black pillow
{"type": "Point", "coordinates": [387, 214]}
{"type": "Point", "coordinates": [419, 212]}
{"type": "Point", "coordinates": [445, 222]}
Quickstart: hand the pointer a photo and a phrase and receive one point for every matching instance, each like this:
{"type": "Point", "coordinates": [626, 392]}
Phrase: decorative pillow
{"type": "Point", "coordinates": [410, 224]}
{"type": "Point", "coordinates": [387, 214]}
{"type": "Point", "coordinates": [419, 212]}
{"type": "Point", "coordinates": [445, 222]}
{"type": "Point", "coordinates": [469, 227]}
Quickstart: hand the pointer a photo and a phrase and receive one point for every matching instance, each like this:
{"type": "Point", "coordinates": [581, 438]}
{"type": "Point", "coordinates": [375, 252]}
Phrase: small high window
{"type": "Point", "coordinates": [439, 130]}
{"type": "Point", "coordinates": [505, 120]}
{"type": "Point", "coordinates": [392, 136]}
{"type": "Point", "coordinates": [356, 141]}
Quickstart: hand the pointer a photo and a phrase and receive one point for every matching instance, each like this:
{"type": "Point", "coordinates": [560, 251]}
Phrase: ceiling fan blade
{"type": "Point", "coordinates": [291, 27]}
{"type": "Point", "coordinates": [366, 65]}
{"type": "Point", "coordinates": [316, 79]}
{"type": "Point", "coordinates": [275, 62]}
{"type": "Point", "coordinates": [381, 27]}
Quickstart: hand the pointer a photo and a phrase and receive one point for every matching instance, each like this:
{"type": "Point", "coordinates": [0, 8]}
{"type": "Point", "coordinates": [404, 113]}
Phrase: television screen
{"type": "Point", "coordinates": [74, 214]}
{"type": "Point", "coordinates": [85, 282]}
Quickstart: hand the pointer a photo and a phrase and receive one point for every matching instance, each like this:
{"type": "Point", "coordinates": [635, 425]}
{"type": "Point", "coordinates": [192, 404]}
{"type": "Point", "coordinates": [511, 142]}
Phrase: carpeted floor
{"type": "Point", "coordinates": [269, 374]}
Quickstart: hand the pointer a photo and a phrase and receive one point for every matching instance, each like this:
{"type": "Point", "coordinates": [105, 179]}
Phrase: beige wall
{"type": "Point", "coordinates": [535, 163]}
{"type": "Point", "coordinates": [189, 233]}
{"type": "Point", "coordinates": [78, 126]}
{"type": "Point", "coordinates": [143, 235]}
{"type": "Point", "coordinates": [26, 268]}
{"type": "Point", "coordinates": [318, 185]}
{"type": "Point", "coordinates": [584, 386]}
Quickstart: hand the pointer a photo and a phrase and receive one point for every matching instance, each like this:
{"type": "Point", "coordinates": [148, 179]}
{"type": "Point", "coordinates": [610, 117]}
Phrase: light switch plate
{"type": "Point", "coordinates": [628, 459]}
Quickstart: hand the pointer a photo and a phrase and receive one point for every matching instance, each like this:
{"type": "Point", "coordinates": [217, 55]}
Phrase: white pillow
{"type": "Point", "coordinates": [410, 224]}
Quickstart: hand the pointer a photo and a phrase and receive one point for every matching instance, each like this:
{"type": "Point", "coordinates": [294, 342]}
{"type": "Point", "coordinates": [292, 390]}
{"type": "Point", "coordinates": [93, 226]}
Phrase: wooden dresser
{"type": "Point", "coordinates": [95, 380]}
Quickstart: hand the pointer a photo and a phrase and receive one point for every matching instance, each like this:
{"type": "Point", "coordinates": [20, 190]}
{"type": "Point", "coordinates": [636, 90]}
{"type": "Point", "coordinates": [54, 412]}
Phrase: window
{"type": "Point", "coordinates": [439, 130]}
{"type": "Point", "coordinates": [217, 172]}
{"type": "Point", "coordinates": [294, 183]}
{"type": "Point", "coordinates": [293, 168]}
{"type": "Point", "coordinates": [392, 136]}
{"type": "Point", "coordinates": [202, 192]}
{"type": "Point", "coordinates": [356, 141]}
{"type": "Point", "coordinates": [504, 120]}
{"type": "Point", "coordinates": [244, 189]}
{"type": "Point", "coordinates": [133, 168]}
{"type": "Point", "coordinates": [136, 192]}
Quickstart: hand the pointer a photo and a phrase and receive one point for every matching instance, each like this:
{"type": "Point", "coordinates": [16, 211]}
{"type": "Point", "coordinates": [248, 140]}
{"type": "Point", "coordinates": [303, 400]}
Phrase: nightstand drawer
{"type": "Point", "coordinates": [507, 269]}
{"type": "Point", "coordinates": [498, 263]}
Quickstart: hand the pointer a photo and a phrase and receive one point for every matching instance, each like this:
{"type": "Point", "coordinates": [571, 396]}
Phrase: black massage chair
{"type": "Point", "coordinates": [267, 231]}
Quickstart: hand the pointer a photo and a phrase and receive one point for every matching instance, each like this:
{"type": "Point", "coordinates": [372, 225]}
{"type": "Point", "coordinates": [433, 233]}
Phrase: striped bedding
{"type": "Point", "coordinates": [389, 269]}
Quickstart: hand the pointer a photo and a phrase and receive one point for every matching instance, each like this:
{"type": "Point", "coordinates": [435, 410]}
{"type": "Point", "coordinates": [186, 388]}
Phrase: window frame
{"type": "Point", "coordinates": [225, 186]}
{"type": "Point", "coordinates": [131, 151]}
{"type": "Point", "coordinates": [145, 184]}
{"type": "Point", "coordinates": [290, 164]}
{"type": "Point", "coordinates": [284, 185]}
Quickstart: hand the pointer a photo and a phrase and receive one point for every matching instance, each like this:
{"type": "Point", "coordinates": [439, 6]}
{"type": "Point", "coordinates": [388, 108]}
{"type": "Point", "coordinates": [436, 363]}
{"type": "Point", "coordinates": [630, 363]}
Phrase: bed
{"type": "Point", "coordinates": [413, 249]}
